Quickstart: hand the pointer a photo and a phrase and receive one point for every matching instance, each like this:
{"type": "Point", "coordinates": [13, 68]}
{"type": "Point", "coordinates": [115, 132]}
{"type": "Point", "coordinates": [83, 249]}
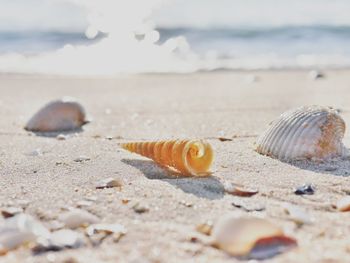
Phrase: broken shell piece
{"type": "Point", "coordinates": [108, 183]}
{"type": "Point", "coordinates": [205, 228]}
{"type": "Point", "coordinates": [84, 203]}
{"type": "Point", "coordinates": [189, 157]}
{"type": "Point", "coordinates": [36, 152]}
{"type": "Point", "coordinates": [61, 239]}
{"type": "Point", "coordinates": [140, 208]}
{"type": "Point", "coordinates": [19, 230]}
{"type": "Point", "coordinates": [244, 237]}
{"type": "Point", "coordinates": [315, 74]}
{"type": "Point", "coordinates": [297, 214]}
{"type": "Point", "coordinates": [249, 207]}
{"type": "Point", "coordinates": [81, 159]}
{"type": "Point", "coordinates": [106, 228]}
{"type": "Point", "coordinates": [305, 189]}
{"type": "Point", "coordinates": [77, 218]}
{"type": "Point", "coordinates": [305, 133]}
{"type": "Point", "coordinates": [62, 137]}
{"type": "Point", "coordinates": [98, 232]}
{"type": "Point", "coordinates": [11, 211]}
{"type": "Point", "coordinates": [343, 204]}
{"type": "Point", "coordinates": [59, 115]}
{"type": "Point", "coordinates": [239, 190]}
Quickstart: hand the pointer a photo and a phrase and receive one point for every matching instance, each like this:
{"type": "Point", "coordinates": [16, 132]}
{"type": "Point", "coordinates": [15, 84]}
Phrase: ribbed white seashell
{"type": "Point", "coordinates": [309, 132]}
{"type": "Point", "coordinates": [59, 115]}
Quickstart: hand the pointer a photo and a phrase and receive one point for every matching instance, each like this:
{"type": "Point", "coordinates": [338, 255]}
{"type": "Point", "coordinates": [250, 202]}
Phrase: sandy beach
{"type": "Point", "coordinates": [155, 107]}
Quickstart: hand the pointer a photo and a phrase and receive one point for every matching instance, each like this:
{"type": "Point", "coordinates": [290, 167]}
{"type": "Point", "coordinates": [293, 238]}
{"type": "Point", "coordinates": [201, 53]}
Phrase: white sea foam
{"type": "Point", "coordinates": [179, 35]}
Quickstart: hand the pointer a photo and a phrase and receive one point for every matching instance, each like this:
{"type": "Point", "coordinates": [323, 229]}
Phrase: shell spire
{"type": "Point", "coordinates": [189, 157]}
{"type": "Point", "coordinates": [309, 132]}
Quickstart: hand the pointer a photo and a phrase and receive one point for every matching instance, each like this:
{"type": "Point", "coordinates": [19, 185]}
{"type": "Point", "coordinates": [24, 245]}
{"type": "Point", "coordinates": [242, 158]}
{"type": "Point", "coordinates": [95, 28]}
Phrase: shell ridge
{"type": "Point", "coordinates": [175, 154]}
{"type": "Point", "coordinates": [299, 137]}
{"type": "Point", "coordinates": [272, 133]}
{"type": "Point", "coordinates": [297, 120]}
{"type": "Point", "coordinates": [283, 130]}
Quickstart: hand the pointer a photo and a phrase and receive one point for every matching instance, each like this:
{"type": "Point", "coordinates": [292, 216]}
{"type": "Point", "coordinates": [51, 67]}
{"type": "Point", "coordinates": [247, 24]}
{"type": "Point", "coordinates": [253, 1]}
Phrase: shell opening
{"type": "Point", "coordinates": [196, 150]}
{"type": "Point", "coordinates": [198, 157]}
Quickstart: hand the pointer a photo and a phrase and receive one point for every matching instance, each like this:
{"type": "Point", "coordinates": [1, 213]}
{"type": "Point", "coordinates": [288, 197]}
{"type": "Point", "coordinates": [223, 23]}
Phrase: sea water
{"type": "Point", "coordinates": [110, 37]}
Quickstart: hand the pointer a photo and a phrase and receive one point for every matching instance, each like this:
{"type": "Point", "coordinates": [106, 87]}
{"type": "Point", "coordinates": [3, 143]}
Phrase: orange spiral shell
{"type": "Point", "coordinates": [189, 157]}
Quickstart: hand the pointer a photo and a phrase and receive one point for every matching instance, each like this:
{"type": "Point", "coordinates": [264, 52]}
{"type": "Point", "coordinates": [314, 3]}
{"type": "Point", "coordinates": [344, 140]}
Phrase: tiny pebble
{"type": "Point", "coordinates": [11, 211]}
{"type": "Point", "coordinates": [306, 189]}
{"type": "Point", "coordinates": [140, 208]}
{"type": "Point", "coordinates": [109, 183]}
{"type": "Point", "coordinates": [82, 159]}
{"type": "Point", "coordinates": [61, 137]}
{"type": "Point", "coordinates": [343, 204]}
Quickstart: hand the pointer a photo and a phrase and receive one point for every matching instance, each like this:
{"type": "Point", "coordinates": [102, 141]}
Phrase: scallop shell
{"type": "Point", "coordinates": [189, 157]}
{"type": "Point", "coordinates": [309, 132]}
{"type": "Point", "coordinates": [59, 115]}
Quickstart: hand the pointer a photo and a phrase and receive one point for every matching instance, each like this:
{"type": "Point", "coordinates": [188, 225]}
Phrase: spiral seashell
{"type": "Point", "coordinates": [305, 133]}
{"type": "Point", "coordinates": [59, 115]}
{"type": "Point", "coordinates": [189, 157]}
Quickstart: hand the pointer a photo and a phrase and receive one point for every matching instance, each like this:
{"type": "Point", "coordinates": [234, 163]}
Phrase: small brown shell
{"type": "Point", "coordinates": [313, 133]}
{"type": "Point", "coordinates": [59, 115]}
{"type": "Point", "coordinates": [189, 157]}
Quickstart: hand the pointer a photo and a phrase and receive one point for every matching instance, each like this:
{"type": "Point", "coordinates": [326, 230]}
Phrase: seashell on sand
{"type": "Point", "coordinates": [188, 157]}
{"type": "Point", "coordinates": [77, 218]}
{"type": "Point", "coordinates": [205, 228]}
{"type": "Point", "coordinates": [239, 190]}
{"type": "Point", "coordinates": [305, 189]}
{"type": "Point", "coordinates": [58, 240]}
{"type": "Point", "coordinates": [297, 214]}
{"type": "Point", "coordinates": [19, 230]}
{"type": "Point", "coordinates": [250, 237]}
{"type": "Point", "coordinates": [343, 204]}
{"type": "Point", "coordinates": [106, 228]}
{"type": "Point", "coordinates": [306, 133]}
{"type": "Point", "coordinates": [109, 183]}
{"type": "Point", "coordinates": [11, 211]}
{"type": "Point", "coordinates": [60, 115]}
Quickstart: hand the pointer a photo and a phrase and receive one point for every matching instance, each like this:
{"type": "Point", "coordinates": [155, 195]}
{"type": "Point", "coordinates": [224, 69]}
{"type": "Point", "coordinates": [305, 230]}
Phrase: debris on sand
{"type": "Point", "coordinates": [250, 237]}
{"type": "Point", "coordinates": [78, 218]}
{"type": "Point", "coordinates": [343, 204]}
{"type": "Point", "coordinates": [81, 159]}
{"type": "Point", "coordinates": [305, 189]}
{"type": "Point", "coordinates": [109, 183]}
{"type": "Point", "coordinates": [315, 75]}
{"type": "Point", "coordinates": [11, 211]}
{"type": "Point", "coordinates": [297, 214]}
{"type": "Point", "coordinates": [239, 190]}
{"type": "Point", "coordinates": [20, 230]}
{"type": "Point", "coordinates": [59, 240]}
{"type": "Point", "coordinates": [205, 228]}
{"type": "Point", "coordinates": [140, 208]}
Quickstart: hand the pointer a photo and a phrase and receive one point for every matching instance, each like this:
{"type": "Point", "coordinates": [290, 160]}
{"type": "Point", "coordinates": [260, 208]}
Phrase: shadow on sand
{"type": "Point", "coordinates": [338, 167]}
{"type": "Point", "coordinates": [204, 187]}
{"type": "Point", "coordinates": [55, 134]}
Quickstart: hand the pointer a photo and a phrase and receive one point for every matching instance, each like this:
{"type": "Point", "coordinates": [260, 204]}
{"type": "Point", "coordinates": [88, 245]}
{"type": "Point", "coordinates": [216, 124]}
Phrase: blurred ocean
{"type": "Point", "coordinates": [109, 37]}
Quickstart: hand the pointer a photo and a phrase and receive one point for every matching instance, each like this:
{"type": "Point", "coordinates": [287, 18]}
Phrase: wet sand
{"type": "Point", "coordinates": [153, 107]}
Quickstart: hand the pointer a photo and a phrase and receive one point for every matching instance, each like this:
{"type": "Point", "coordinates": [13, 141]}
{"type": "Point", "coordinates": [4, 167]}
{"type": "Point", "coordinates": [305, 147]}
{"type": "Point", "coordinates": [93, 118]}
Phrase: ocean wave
{"type": "Point", "coordinates": [292, 31]}
{"type": "Point", "coordinates": [121, 38]}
